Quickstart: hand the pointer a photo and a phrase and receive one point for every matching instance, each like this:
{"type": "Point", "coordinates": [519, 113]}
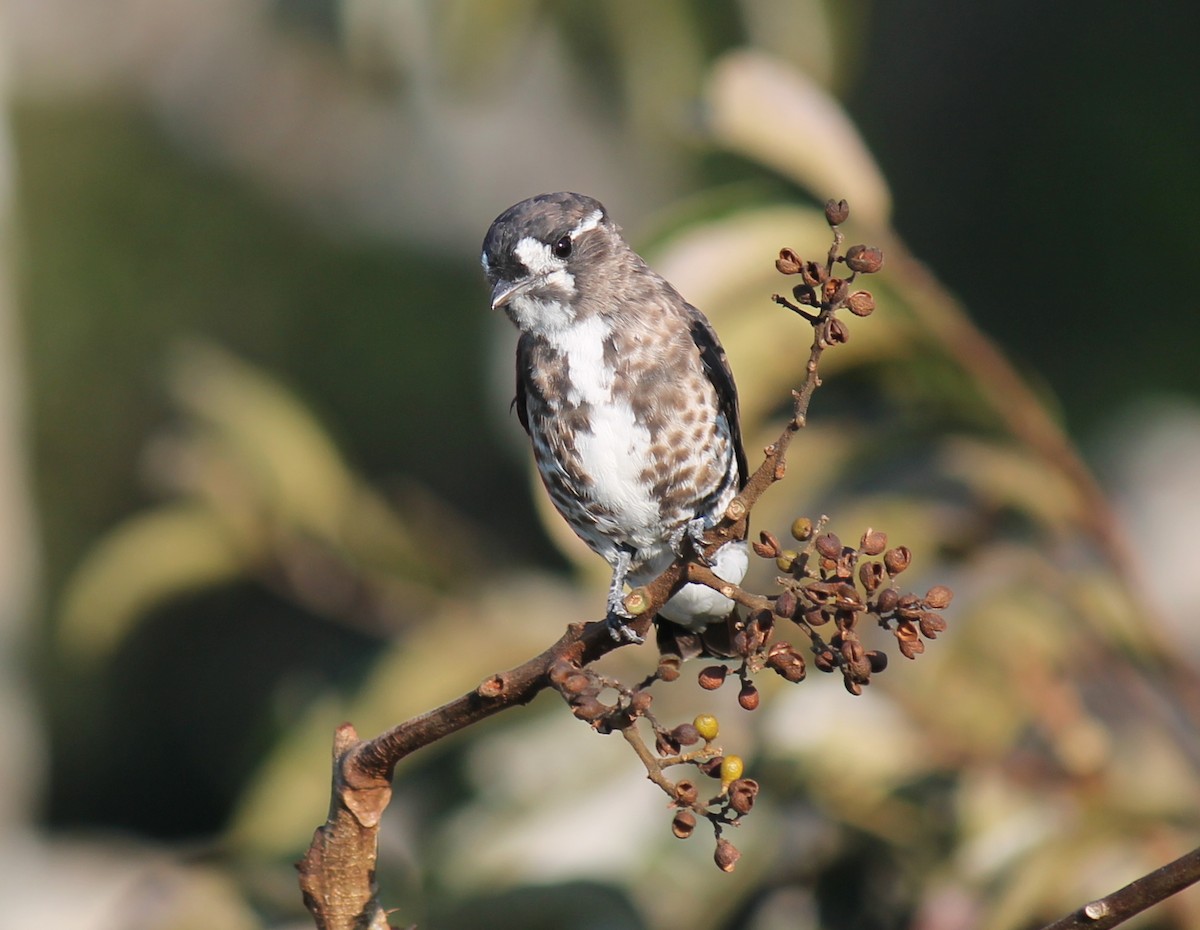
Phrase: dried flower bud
{"type": "Point", "coordinates": [825, 661]}
{"type": "Point", "coordinates": [788, 262]}
{"type": "Point", "coordinates": [668, 667]}
{"type": "Point", "coordinates": [818, 592]}
{"type": "Point", "coordinates": [665, 743]}
{"type": "Point", "coordinates": [846, 618]}
{"type": "Point", "coordinates": [589, 708]}
{"type": "Point", "coordinates": [834, 291]}
{"type": "Point", "coordinates": [829, 545]}
{"type": "Point", "coordinates": [742, 794]}
{"type": "Point", "coordinates": [911, 648]}
{"type": "Point", "coordinates": [765, 550]}
{"type": "Point", "coordinates": [711, 767]}
{"type": "Point", "coordinates": [802, 528]}
{"type": "Point", "coordinates": [786, 662]}
{"type": "Point", "coordinates": [931, 624]}
{"type": "Point", "coordinates": [873, 541]}
{"type": "Point", "coordinates": [817, 616]}
{"type": "Point", "coordinates": [814, 274]}
{"type": "Point", "coordinates": [853, 686]}
{"type": "Point", "coordinates": [686, 792]}
{"type": "Point", "coordinates": [864, 259]}
{"type": "Point", "coordinates": [747, 640]}
{"type": "Point", "coordinates": [836, 212]}
{"type": "Point", "coordinates": [861, 303]}
{"type": "Point", "coordinates": [897, 560]}
{"type": "Point", "coordinates": [878, 660]}
{"type": "Point", "coordinates": [786, 560]}
{"type": "Point", "coordinates": [683, 824]}
{"type": "Point", "coordinates": [846, 596]}
{"type": "Point", "coordinates": [938, 597]}
{"type": "Point", "coordinates": [726, 856]}
{"type": "Point", "coordinates": [763, 622]}
{"type": "Point", "coordinates": [640, 702]}
{"type": "Point", "coordinates": [908, 607]}
{"type": "Point", "coordinates": [887, 600]}
{"type": "Point", "coordinates": [805, 295]}
{"type": "Point", "coordinates": [748, 697]}
{"type": "Point", "coordinates": [836, 332]}
{"type": "Point", "coordinates": [685, 735]}
{"type": "Point", "coordinates": [909, 640]}
{"type": "Point", "coordinates": [712, 677]}
{"type": "Point", "coordinates": [786, 604]}
{"type": "Point", "coordinates": [871, 575]}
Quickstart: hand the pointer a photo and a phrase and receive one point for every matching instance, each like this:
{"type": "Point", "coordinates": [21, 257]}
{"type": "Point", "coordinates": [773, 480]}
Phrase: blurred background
{"type": "Point", "coordinates": [258, 474]}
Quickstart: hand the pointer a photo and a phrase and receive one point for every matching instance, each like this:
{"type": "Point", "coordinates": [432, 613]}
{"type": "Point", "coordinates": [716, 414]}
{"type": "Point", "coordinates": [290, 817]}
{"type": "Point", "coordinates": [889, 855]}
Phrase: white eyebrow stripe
{"type": "Point", "coordinates": [591, 221]}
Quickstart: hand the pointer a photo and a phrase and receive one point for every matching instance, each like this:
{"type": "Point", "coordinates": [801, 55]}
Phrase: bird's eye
{"type": "Point", "coordinates": [562, 248]}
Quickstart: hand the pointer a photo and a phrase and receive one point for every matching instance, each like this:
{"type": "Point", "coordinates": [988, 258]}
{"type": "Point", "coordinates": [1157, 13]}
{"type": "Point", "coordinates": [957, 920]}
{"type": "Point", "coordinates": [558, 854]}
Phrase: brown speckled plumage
{"type": "Point", "coordinates": [622, 385]}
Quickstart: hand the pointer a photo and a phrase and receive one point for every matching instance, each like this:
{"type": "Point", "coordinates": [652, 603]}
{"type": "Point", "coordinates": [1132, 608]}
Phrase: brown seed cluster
{"type": "Point", "coordinates": [823, 291]}
{"type": "Point", "coordinates": [827, 589]}
{"type": "Point", "coordinates": [829, 586]}
{"type": "Point", "coordinates": [688, 744]}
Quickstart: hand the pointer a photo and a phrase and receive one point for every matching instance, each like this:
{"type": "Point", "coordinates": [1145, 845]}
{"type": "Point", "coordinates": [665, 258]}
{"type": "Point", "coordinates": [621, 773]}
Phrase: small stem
{"type": "Point", "coordinates": [1118, 907]}
{"type": "Point", "coordinates": [654, 768]}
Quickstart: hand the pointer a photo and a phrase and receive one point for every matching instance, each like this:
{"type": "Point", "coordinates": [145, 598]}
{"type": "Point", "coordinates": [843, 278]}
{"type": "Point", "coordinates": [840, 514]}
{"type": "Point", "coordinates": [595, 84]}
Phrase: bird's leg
{"type": "Point", "coordinates": [693, 532]}
{"type": "Point", "coordinates": [618, 617]}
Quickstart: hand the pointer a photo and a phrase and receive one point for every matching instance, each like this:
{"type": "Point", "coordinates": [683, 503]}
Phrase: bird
{"type": "Point", "coordinates": [628, 399]}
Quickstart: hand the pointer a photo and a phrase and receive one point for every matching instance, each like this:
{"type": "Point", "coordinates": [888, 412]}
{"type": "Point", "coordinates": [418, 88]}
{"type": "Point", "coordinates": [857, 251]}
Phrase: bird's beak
{"type": "Point", "coordinates": [504, 291]}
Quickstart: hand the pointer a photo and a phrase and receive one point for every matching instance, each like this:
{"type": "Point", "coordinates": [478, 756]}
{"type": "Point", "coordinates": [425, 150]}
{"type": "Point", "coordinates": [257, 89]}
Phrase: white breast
{"type": "Point", "coordinates": [614, 452]}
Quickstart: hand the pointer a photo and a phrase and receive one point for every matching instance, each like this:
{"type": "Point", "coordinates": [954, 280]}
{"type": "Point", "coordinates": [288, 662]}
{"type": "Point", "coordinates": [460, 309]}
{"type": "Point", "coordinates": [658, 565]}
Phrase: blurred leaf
{"type": "Point", "coordinates": [146, 559]}
{"type": "Point", "coordinates": [264, 492]}
{"type": "Point", "coordinates": [298, 472]}
{"type": "Point", "coordinates": [460, 642]}
{"type": "Point", "coordinates": [775, 115]}
{"type": "Point", "coordinates": [1004, 476]}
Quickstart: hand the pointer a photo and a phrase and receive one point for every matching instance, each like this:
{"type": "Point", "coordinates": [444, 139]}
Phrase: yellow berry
{"type": "Point", "coordinates": [731, 770]}
{"type": "Point", "coordinates": [706, 726]}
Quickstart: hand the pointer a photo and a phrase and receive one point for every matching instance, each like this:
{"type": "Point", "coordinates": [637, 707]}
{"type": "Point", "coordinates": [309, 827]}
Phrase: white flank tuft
{"type": "Point", "coordinates": [695, 606]}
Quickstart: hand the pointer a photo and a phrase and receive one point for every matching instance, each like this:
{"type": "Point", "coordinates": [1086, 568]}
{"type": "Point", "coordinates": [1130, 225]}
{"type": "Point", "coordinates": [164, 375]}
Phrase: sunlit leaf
{"type": "Point", "coordinates": [157, 555]}
{"type": "Point", "coordinates": [774, 114]}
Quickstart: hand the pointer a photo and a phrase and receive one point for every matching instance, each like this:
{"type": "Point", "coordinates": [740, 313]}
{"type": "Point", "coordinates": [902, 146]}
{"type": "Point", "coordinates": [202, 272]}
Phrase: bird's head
{"type": "Point", "coordinates": [543, 254]}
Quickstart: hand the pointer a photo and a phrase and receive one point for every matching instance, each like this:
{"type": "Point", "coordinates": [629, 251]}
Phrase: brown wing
{"type": "Point", "coordinates": [716, 366]}
{"type": "Point", "coordinates": [520, 401]}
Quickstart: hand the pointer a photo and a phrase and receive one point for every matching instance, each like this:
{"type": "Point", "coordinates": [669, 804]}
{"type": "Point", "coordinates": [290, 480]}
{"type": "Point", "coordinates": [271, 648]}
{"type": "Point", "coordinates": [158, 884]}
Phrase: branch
{"type": "Point", "coordinates": [1118, 907]}
{"type": "Point", "coordinates": [337, 874]}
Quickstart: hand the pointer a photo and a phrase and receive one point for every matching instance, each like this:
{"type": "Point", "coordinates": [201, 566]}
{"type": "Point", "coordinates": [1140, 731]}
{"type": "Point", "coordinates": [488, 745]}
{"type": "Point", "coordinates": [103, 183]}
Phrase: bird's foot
{"type": "Point", "coordinates": [618, 617]}
{"type": "Point", "coordinates": [693, 532]}
{"type": "Point", "coordinates": [620, 630]}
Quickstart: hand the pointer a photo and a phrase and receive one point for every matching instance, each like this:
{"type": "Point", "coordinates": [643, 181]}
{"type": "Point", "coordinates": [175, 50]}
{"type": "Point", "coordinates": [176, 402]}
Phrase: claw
{"type": "Point", "coordinates": [693, 532]}
{"type": "Point", "coordinates": [620, 630]}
